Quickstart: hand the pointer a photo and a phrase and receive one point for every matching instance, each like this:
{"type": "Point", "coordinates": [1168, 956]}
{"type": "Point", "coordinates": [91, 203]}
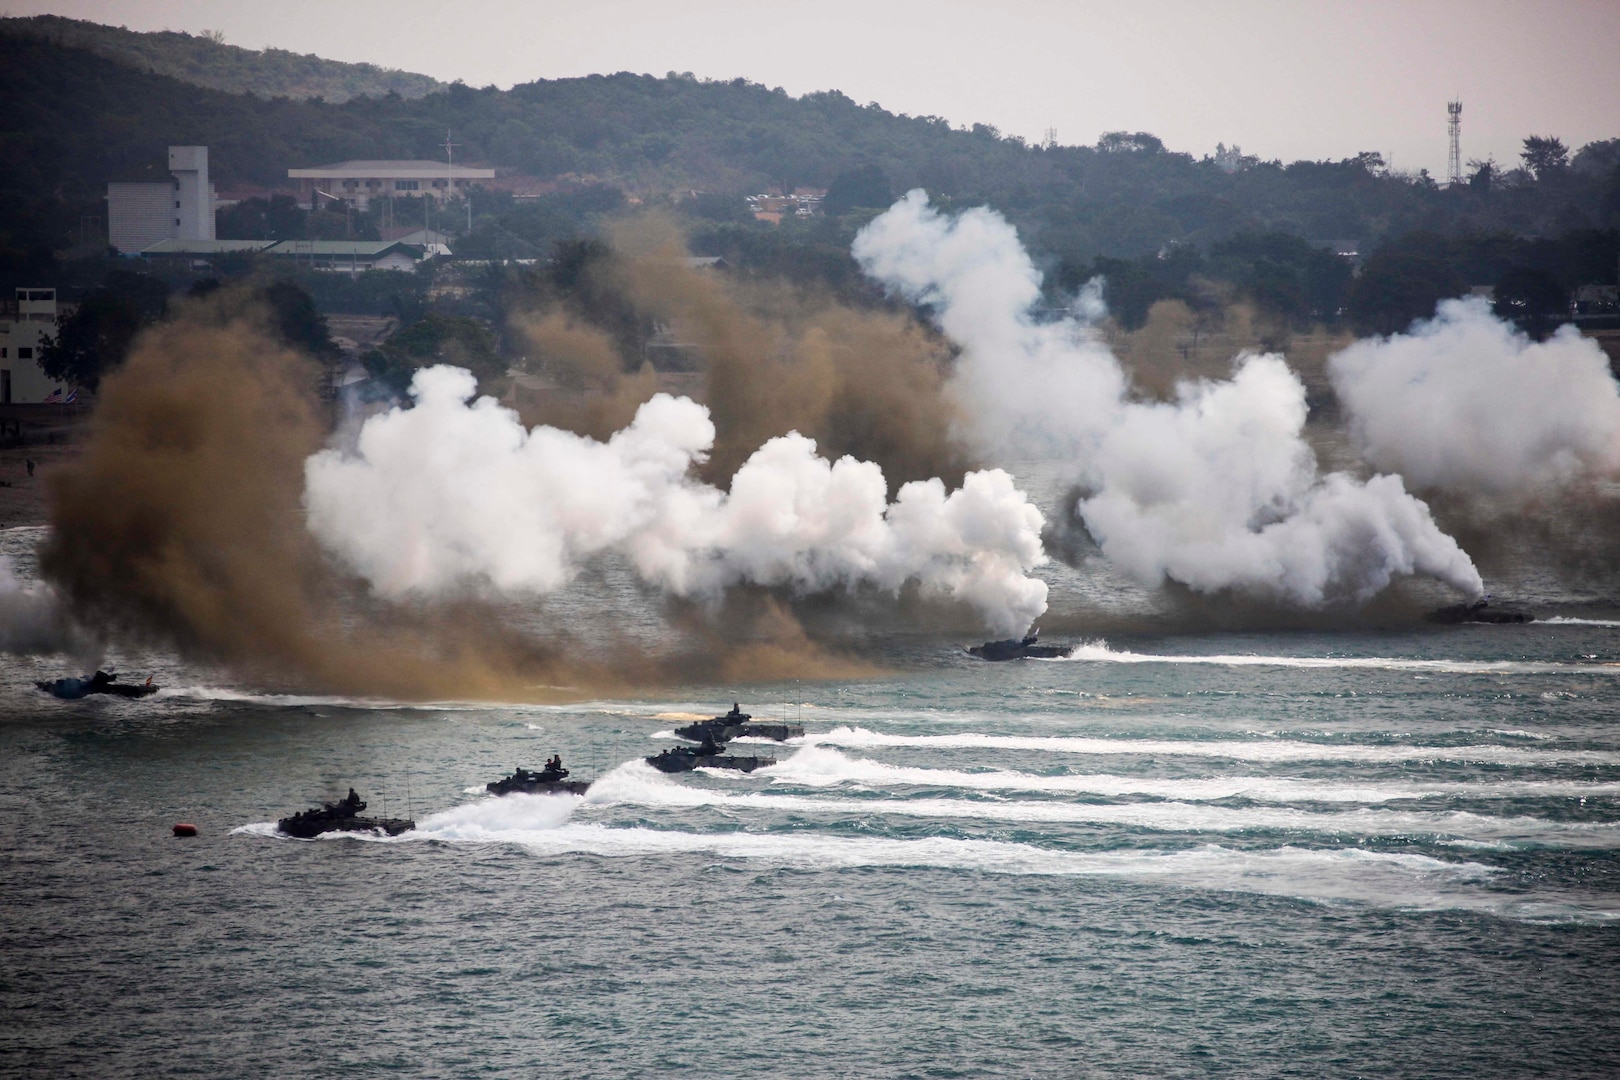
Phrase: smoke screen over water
{"type": "Point", "coordinates": [207, 512]}
{"type": "Point", "coordinates": [1325, 823]}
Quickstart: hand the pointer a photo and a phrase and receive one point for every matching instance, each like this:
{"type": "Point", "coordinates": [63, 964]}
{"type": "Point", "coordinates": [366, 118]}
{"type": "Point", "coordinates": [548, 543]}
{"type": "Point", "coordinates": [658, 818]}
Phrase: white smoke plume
{"type": "Point", "coordinates": [452, 491]}
{"type": "Point", "coordinates": [1465, 402]}
{"type": "Point", "coordinates": [1217, 490]}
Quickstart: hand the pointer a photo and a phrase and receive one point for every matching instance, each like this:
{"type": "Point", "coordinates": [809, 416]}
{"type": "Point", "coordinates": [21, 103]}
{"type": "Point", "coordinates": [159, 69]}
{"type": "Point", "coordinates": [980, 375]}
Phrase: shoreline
{"type": "Point", "coordinates": [23, 499]}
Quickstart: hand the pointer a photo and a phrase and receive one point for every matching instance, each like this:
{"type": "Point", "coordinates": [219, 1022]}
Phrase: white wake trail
{"type": "Point", "coordinates": [1259, 750]}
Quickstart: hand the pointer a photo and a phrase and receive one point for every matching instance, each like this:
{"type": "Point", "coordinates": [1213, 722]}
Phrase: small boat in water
{"type": "Point", "coordinates": [1019, 649]}
{"type": "Point", "coordinates": [341, 816]}
{"type": "Point", "coordinates": [102, 682]}
{"type": "Point", "coordinates": [551, 780]}
{"type": "Point", "coordinates": [736, 724]}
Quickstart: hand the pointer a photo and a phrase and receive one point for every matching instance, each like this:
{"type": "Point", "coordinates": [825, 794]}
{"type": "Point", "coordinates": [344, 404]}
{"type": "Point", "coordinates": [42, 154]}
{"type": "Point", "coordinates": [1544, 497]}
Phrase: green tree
{"type": "Point", "coordinates": [1128, 142]}
{"type": "Point", "coordinates": [435, 339]}
{"type": "Point", "coordinates": [1533, 299]}
{"type": "Point", "coordinates": [296, 320]}
{"type": "Point", "coordinates": [867, 186]}
{"type": "Point", "coordinates": [1396, 288]}
{"type": "Point", "coordinates": [1544, 155]}
{"type": "Point", "coordinates": [96, 338]}
{"type": "Point", "coordinates": [276, 218]}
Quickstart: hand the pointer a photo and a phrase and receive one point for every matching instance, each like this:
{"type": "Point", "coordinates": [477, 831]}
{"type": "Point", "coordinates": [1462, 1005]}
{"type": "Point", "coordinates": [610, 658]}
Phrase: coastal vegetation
{"type": "Point", "coordinates": [1349, 244]}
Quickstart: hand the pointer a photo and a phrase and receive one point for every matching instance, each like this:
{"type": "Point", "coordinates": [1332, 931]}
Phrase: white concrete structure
{"type": "Point", "coordinates": [194, 201]}
{"type": "Point", "coordinates": [22, 382]}
{"type": "Point", "coordinates": [358, 182]}
{"type": "Point", "coordinates": [142, 212]}
{"type": "Point", "coordinates": [350, 256]}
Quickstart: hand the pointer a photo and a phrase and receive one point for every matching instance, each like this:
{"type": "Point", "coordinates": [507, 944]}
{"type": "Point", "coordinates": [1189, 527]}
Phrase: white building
{"type": "Point", "coordinates": [350, 256]}
{"type": "Point", "coordinates": [142, 212]}
{"type": "Point", "coordinates": [22, 382]}
{"type": "Point", "coordinates": [358, 182]}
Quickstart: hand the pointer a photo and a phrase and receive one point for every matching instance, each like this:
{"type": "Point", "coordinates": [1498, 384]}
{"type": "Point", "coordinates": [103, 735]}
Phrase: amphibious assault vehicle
{"type": "Point", "coordinates": [102, 682]}
{"type": "Point", "coordinates": [736, 724]}
{"type": "Point", "coordinates": [551, 780]}
{"type": "Point", "coordinates": [711, 755]}
{"type": "Point", "coordinates": [1019, 649]}
{"type": "Point", "coordinates": [1480, 611]}
{"type": "Point", "coordinates": [341, 816]}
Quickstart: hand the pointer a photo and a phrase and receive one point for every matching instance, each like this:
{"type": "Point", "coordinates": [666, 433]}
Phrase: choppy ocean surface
{"type": "Point", "coordinates": [1381, 853]}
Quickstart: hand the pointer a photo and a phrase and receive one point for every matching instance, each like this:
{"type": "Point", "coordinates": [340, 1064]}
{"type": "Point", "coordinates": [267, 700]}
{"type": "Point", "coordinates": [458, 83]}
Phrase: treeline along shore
{"type": "Point", "coordinates": [1194, 252]}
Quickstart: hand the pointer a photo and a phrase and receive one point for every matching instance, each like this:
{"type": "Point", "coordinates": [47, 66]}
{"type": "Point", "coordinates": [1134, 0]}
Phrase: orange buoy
{"type": "Point", "coordinates": [183, 828]}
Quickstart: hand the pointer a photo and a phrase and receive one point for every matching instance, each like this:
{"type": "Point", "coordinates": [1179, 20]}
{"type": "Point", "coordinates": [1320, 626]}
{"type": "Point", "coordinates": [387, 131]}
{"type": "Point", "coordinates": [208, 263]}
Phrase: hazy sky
{"type": "Point", "coordinates": [1301, 79]}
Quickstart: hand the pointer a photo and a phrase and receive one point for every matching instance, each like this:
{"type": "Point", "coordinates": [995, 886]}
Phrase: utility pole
{"type": "Point", "coordinates": [450, 175]}
{"type": "Point", "coordinates": [1454, 161]}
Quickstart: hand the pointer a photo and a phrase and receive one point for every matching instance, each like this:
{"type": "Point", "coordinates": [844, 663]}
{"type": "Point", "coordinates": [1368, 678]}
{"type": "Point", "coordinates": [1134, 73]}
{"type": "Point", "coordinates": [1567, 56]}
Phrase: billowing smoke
{"type": "Point", "coordinates": [454, 491]}
{"type": "Point", "coordinates": [1466, 403]}
{"type": "Point", "coordinates": [598, 397]}
{"type": "Point", "coordinates": [1030, 389]}
{"type": "Point", "coordinates": [1216, 489]}
{"type": "Point", "coordinates": [181, 522]}
{"type": "Point", "coordinates": [32, 619]}
{"type": "Point", "coordinates": [772, 359]}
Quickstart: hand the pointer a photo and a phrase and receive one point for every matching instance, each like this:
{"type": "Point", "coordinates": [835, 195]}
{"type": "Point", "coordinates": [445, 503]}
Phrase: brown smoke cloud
{"type": "Point", "coordinates": [182, 521]}
{"type": "Point", "coordinates": [594, 395]}
{"type": "Point", "coordinates": [1178, 343]}
{"type": "Point", "coordinates": [773, 359]}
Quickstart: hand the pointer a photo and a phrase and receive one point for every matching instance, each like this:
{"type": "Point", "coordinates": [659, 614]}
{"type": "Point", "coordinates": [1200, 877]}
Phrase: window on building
{"type": "Point", "coordinates": [2, 353]}
{"type": "Point", "coordinates": [25, 353]}
{"type": "Point", "coordinates": [373, 183]}
{"type": "Point", "coordinates": [438, 183]}
{"type": "Point", "coordinates": [351, 184]}
{"type": "Point", "coordinates": [406, 185]}
{"type": "Point", "coordinates": [177, 204]}
{"type": "Point", "coordinates": [177, 221]}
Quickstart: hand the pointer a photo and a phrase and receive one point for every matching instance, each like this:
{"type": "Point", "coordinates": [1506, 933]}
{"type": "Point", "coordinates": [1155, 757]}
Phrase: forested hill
{"type": "Point", "coordinates": [206, 61]}
{"type": "Point", "coordinates": [76, 118]}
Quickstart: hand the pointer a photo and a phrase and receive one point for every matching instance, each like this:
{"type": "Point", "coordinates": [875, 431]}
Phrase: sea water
{"type": "Point", "coordinates": [1372, 853]}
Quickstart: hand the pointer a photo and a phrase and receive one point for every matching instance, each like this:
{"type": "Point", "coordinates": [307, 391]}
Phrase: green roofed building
{"type": "Point", "coordinates": [343, 256]}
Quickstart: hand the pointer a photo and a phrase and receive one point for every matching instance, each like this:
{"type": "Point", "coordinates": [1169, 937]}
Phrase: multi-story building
{"type": "Point", "coordinates": [22, 333]}
{"type": "Point", "coordinates": [179, 207]}
{"type": "Point", "coordinates": [358, 182]}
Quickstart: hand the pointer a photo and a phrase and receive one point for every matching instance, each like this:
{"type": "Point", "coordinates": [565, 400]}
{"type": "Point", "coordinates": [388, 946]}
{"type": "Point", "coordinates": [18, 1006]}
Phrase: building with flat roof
{"type": "Point", "coordinates": [22, 334]}
{"type": "Point", "coordinates": [179, 206]}
{"type": "Point", "coordinates": [358, 182]}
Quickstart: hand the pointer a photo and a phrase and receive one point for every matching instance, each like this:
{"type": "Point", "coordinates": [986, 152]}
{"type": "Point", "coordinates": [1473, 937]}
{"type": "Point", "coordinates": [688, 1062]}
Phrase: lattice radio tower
{"type": "Point", "coordinates": [1454, 161]}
